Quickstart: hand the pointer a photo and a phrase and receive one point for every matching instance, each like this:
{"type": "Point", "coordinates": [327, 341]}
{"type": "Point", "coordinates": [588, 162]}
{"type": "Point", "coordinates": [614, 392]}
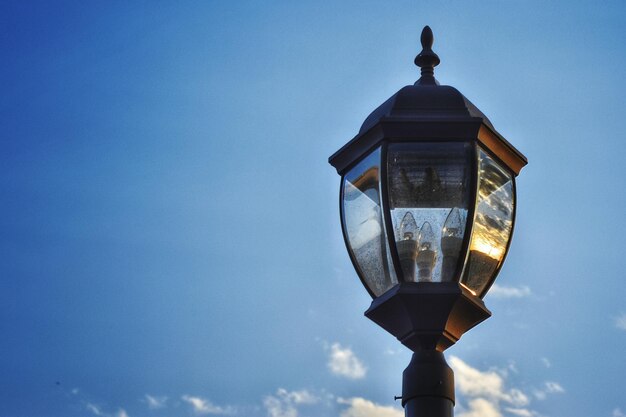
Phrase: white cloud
{"type": "Point", "coordinates": [486, 392]}
{"type": "Point", "coordinates": [390, 351]}
{"type": "Point", "coordinates": [620, 321]}
{"type": "Point", "coordinates": [298, 397]}
{"type": "Point", "coordinates": [343, 362]}
{"type": "Point", "coordinates": [489, 384]}
{"type": "Point", "coordinates": [498, 291]}
{"type": "Point", "coordinates": [546, 362]}
{"type": "Point", "coordinates": [285, 402]}
{"type": "Point", "coordinates": [94, 409]}
{"type": "Point", "coordinates": [154, 402]}
{"type": "Point", "coordinates": [522, 412]}
{"type": "Point", "coordinates": [204, 406]}
{"type": "Point", "coordinates": [618, 413]}
{"type": "Point", "coordinates": [540, 395]}
{"type": "Point", "coordinates": [554, 387]}
{"type": "Point", "coordinates": [480, 407]}
{"type": "Point", "coordinates": [360, 407]}
{"type": "Point", "coordinates": [549, 387]}
{"type": "Point", "coordinates": [278, 408]}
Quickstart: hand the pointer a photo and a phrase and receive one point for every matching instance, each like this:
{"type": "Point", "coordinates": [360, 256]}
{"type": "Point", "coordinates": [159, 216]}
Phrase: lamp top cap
{"type": "Point", "coordinates": [427, 60]}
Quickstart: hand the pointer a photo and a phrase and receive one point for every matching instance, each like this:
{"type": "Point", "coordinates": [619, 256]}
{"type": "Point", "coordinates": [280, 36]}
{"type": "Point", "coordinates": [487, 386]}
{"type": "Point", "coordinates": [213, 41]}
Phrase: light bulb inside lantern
{"type": "Point", "coordinates": [453, 226]}
{"type": "Point", "coordinates": [408, 227]}
{"type": "Point", "coordinates": [407, 246]}
{"type": "Point", "coordinates": [451, 241]}
{"type": "Point", "coordinates": [427, 253]}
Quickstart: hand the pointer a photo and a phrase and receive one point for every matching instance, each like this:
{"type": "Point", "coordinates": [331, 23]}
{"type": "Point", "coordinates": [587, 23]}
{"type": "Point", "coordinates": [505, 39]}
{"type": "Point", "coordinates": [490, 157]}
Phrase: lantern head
{"type": "Point", "coordinates": [427, 202]}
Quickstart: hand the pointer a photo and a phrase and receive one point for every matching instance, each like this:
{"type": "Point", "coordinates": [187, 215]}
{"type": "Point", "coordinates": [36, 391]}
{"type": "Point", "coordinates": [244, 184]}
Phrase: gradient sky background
{"type": "Point", "coordinates": [169, 232]}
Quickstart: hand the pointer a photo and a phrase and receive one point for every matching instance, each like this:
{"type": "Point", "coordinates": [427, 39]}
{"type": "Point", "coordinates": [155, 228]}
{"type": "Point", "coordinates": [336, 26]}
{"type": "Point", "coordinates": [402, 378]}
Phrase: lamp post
{"type": "Point", "coordinates": [427, 207]}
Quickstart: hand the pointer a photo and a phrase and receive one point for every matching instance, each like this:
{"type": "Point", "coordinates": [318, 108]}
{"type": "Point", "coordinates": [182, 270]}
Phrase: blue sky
{"type": "Point", "coordinates": [169, 232]}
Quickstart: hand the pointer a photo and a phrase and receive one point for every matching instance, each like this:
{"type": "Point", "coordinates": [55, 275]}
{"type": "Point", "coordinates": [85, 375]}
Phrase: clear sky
{"type": "Point", "coordinates": [169, 231]}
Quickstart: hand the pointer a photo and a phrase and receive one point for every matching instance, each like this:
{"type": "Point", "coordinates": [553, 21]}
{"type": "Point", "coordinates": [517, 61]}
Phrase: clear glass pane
{"type": "Point", "coordinates": [492, 225]}
{"type": "Point", "coordinates": [429, 196]}
{"type": "Point", "coordinates": [364, 225]}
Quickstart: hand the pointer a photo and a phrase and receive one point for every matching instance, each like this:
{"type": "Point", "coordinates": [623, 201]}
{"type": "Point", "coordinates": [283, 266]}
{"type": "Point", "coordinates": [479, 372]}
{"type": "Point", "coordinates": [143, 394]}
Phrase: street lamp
{"type": "Point", "coordinates": [427, 208]}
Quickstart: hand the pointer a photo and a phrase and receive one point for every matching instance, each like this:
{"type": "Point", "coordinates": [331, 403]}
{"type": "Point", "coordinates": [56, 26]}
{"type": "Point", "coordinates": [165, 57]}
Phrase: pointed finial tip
{"type": "Point", "coordinates": [427, 60]}
{"type": "Point", "coordinates": [427, 37]}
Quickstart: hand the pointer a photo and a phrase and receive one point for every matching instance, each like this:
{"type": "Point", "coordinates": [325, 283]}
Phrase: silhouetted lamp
{"type": "Point", "coordinates": [427, 210]}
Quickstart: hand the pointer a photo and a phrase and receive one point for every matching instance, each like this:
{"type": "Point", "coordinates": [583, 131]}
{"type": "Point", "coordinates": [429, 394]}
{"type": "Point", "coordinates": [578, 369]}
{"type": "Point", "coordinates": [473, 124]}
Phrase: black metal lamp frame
{"type": "Point", "coordinates": [427, 317]}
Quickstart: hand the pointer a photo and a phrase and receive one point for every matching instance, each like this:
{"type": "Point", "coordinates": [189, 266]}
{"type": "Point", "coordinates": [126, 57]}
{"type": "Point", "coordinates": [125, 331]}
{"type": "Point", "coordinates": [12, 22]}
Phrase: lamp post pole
{"type": "Point", "coordinates": [428, 386]}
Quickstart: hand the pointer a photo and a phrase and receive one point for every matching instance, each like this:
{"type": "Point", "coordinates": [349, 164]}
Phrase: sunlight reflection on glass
{"type": "Point", "coordinates": [493, 223]}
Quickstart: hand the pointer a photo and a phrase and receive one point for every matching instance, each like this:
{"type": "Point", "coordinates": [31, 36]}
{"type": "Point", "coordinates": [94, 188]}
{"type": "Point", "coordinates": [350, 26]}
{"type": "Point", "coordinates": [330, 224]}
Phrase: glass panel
{"type": "Point", "coordinates": [492, 225]}
{"type": "Point", "coordinates": [429, 195]}
{"type": "Point", "coordinates": [364, 226]}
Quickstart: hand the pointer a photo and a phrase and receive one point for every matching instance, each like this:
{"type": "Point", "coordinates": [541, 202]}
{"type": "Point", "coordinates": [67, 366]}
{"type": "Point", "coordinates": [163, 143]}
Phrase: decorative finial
{"type": "Point", "coordinates": [427, 60]}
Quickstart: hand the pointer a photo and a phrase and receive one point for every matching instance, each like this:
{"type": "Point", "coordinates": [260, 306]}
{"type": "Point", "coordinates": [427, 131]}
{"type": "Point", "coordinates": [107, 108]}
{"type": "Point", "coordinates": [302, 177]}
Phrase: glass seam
{"type": "Point", "coordinates": [389, 229]}
{"type": "Point", "coordinates": [471, 215]}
